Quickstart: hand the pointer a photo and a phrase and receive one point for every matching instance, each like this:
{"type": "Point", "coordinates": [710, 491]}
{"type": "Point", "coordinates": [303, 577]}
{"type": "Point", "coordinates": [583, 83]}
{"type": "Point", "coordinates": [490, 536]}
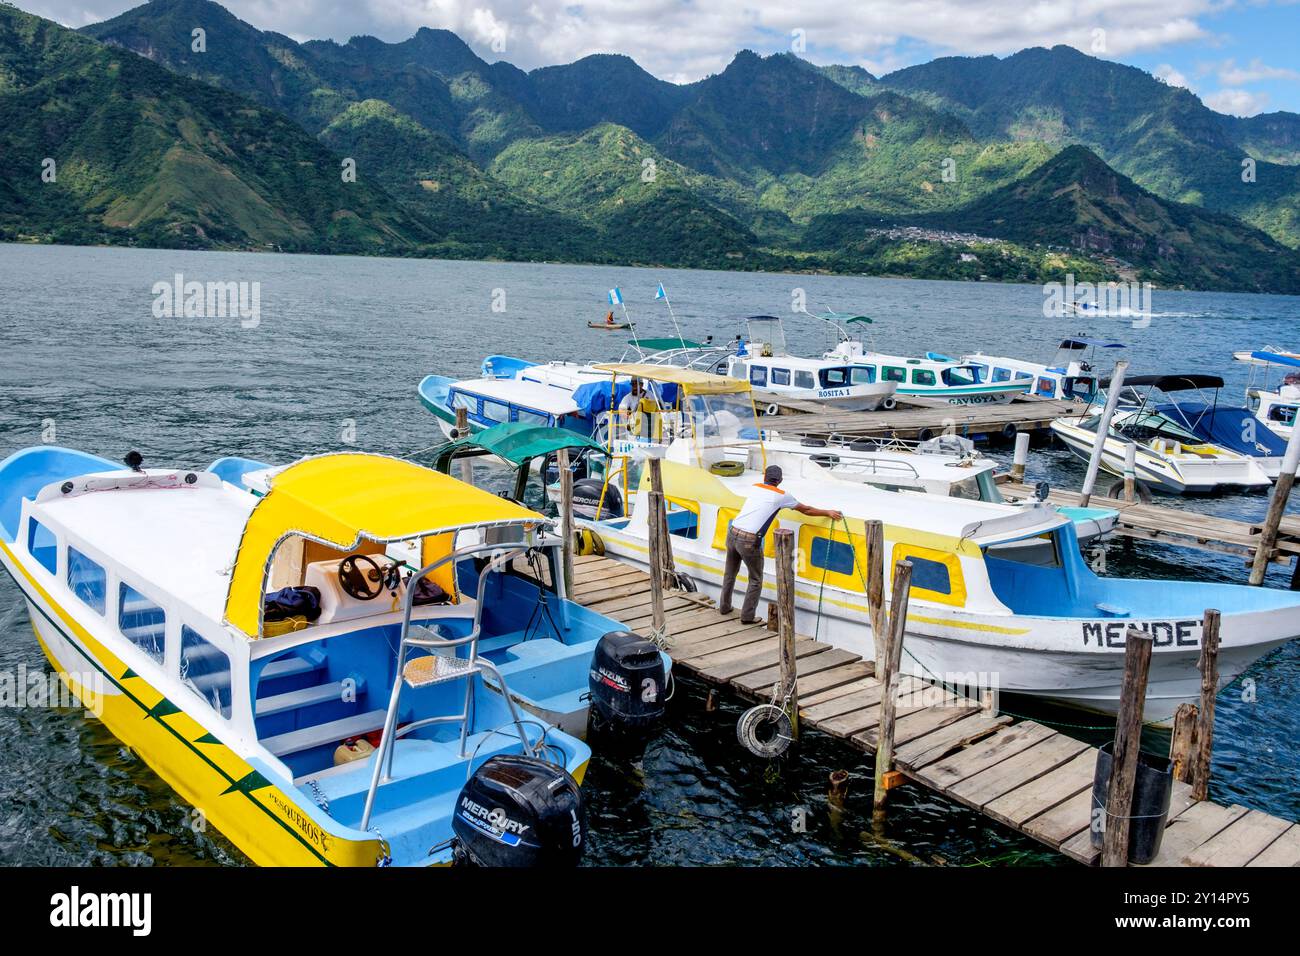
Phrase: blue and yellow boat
{"type": "Point", "coordinates": [320, 670]}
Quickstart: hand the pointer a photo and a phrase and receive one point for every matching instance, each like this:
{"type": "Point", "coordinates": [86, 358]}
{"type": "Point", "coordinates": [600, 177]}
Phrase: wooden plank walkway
{"type": "Point", "coordinates": [1175, 526]}
{"type": "Point", "coordinates": [918, 418]}
{"type": "Point", "coordinates": [1021, 774]}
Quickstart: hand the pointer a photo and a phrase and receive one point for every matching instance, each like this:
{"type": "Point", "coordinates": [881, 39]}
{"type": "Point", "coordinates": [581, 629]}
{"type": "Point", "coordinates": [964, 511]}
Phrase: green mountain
{"type": "Point", "coordinates": [1163, 137]}
{"type": "Point", "coordinates": [145, 156]}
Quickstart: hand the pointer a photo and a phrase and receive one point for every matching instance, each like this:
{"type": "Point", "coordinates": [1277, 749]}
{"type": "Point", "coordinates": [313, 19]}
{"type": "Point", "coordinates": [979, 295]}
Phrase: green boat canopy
{"type": "Point", "coordinates": [516, 442]}
{"type": "Point", "coordinates": [660, 345]}
{"type": "Point", "coordinates": [848, 318]}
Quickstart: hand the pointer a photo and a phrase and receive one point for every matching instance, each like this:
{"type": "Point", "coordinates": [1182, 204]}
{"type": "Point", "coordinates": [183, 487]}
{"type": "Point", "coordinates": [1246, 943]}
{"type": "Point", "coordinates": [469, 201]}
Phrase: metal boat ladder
{"type": "Point", "coordinates": [441, 665]}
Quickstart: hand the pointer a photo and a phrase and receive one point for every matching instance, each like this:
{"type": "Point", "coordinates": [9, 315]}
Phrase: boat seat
{"type": "Point", "coordinates": [291, 667]}
{"type": "Point", "coordinates": [296, 741]}
{"type": "Point", "coordinates": [436, 669]}
{"type": "Point", "coordinates": [306, 697]}
{"type": "Point", "coordinates": [1112, 610]}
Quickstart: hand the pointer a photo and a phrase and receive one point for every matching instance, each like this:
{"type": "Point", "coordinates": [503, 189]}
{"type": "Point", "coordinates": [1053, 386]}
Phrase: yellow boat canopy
{"type": "Point", "coordinates": [339, 500]}
{"type": "Point", "coordinates": [692, 381]}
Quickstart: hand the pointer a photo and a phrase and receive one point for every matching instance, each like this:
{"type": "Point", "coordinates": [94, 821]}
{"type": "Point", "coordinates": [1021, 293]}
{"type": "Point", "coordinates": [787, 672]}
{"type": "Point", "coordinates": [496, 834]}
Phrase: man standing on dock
{"type": "Point", "coordinates": [745, 539]}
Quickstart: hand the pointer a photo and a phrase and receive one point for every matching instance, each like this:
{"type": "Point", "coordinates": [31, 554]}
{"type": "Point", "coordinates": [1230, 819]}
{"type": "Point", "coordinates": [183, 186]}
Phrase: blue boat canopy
{"type": "Point", "coordinates": [1077, 344]}
{"type": "Point", "coordinates": [594, 397]}
{"type": "Point", "coordinates": [1276, 358]}
{"type": "Point", "coordinates": [1226, 425]}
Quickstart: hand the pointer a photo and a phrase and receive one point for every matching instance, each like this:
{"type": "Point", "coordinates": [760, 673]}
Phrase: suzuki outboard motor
{"type": "Point", "coordinates": [519, 811]}
{"type": "Point", "coordinates": [627, 683]}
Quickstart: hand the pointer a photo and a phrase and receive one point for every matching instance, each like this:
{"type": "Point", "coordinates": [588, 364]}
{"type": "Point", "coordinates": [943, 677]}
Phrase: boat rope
{"type": "Point", "coordinates": [318, 795]}
{"type": "Point", "coordinates": [385, 857]}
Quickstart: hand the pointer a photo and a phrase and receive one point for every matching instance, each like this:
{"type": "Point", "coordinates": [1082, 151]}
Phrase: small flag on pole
{"type": "Point", "coordinates": [660, 293]}
{"type": "Point", "coordinates": [616, 296]}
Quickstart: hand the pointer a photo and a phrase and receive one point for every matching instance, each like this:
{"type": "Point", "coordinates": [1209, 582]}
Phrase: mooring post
{"type": "Point", "coordinates": [1182, 742]}
{"type": "Point", "coordinates": [1021, 457]}
{"type": "Point", "coordinates": [566, 515]}
{"type": "Point", "coordinates": [1130, 471]}
{"type": "Point", "coordinates": [1276, 508]}
{"type": "Point", "coordinates": [655, 500]}
{"type": "Point", "coordinates": [1128, 747]}
{"type": "Point", "coordinates": [785, 625]}
{"type": "Point", "coordinates": [876, 587]}
{"type": "Point", "coordinates": [899, 593]}
{"type": "Point", "coordinates": [462, 431]}
{"type": "Point", "coordinates": [1103, 430]}
{"type": "Point", "coordinates": [666, 565]}
{"type": "Point", "coordinates": [1209, 665]}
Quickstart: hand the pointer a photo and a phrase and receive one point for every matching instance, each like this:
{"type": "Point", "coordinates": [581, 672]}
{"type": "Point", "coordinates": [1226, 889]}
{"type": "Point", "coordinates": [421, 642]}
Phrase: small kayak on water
{"type": "Point", "coordinates": [609, 325]}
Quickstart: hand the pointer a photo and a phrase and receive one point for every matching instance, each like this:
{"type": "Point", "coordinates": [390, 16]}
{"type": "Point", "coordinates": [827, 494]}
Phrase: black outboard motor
{"type": "Point", "coordinates": [519, 811]}
{"type": "Point", "coordinates": [627, 684]}
{"type": "Point", "coordinates": [586, 499]}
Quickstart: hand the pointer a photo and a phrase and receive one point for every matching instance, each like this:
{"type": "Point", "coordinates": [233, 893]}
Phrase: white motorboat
{"type": "Point", "coordinates": [1274, 408]}
{"type": "Point", "coordinates": [1075, 377]}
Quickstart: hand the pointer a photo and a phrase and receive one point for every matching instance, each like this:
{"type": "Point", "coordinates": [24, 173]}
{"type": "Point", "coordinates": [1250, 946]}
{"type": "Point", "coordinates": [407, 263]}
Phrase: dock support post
{"type": "Point", "coordinates": [655, 499]}
{"type": "Point", "coordinates": [900, 592]}
{"type": "Point", "coordinates": [1021, 457]}
{"type": "Point", "coordinates": [1130, 471]}
{"type": "Point", "coordinates": [1103, 429]}
{"type": "Point", "coordinates": [876, 587]}
{"type": "Point", "coordinates": [785, 625]}
{"type": "Point", "coordinates": [1276, 508]}
{"type": "Point", "coordinates": [566, 515]}
{"type": "Point", "coordinates": [1182, 743]}
{"type": "Point", "coordinates": [666, 566]}
{"type": "Point", "coordinates": [1128, 745]}
{"type": "Point", "coordinates": [462, 431]}
{"type": "Point", "coordinates": [1209, 665]}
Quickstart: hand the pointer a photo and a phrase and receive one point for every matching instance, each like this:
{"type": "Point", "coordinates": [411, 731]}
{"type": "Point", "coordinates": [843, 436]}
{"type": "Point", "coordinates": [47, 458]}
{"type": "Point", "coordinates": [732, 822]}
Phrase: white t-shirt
{"type": "Point", "coordinates": [760, 509]}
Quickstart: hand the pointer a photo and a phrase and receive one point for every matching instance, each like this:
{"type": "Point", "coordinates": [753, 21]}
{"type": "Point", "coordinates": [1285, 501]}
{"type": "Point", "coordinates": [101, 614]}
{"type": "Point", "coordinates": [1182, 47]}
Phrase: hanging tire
{"type": "Point", "coordinates": [772, 409]}
{"type": "Point", "coordinates": [1009, 432]}
{"type": "Point", "coordinates": [925, 434]}
{"type": "Point", "coordinates": [1141, 491]}
{"type": "Point", "coordinates": [765, 731]}
{"type": "Point", "coordinates": [889, 404]}
{"type": "Point", "coordinates": [685, 582]}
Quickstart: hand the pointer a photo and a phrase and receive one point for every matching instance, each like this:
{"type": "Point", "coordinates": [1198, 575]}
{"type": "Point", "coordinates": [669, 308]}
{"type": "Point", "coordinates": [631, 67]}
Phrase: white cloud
{"type": "Point", "coordinates": [1171, 76]}
{"type": "Point", "coordinates": [1232, 75]}
{"type": "Point", "coordinates": [682, 40]}
{"type": "Point", "coordinates": [1236, 102]}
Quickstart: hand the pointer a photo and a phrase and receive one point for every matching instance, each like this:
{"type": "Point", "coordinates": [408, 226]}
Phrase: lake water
{"type": "Point", "coordinates": [333, 363]}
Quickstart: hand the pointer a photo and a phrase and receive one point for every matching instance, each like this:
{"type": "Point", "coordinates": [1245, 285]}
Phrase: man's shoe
{"type": "Point", "coordinates": [724, 611]}
{"type": "Point", "coordinates": [752, 620]}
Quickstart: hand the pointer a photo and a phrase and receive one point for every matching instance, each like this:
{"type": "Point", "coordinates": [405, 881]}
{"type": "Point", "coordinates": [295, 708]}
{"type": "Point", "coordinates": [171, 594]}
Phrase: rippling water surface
{"type": "Point", "coordinates": [339, 348]}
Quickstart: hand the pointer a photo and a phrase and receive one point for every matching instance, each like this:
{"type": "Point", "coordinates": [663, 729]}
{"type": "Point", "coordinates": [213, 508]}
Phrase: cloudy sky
{"type": "Point", "coordinates": [1239, 56]}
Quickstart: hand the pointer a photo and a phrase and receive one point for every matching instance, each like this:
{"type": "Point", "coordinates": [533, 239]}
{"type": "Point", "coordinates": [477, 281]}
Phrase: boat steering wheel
{"type": "Point", "coordinates": [362, 585]}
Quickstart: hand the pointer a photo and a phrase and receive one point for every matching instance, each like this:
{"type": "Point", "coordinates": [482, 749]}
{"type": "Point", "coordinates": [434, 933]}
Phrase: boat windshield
{"type": "Point", "coordinates": [766, 335]}
{"type": "Point", "coordinates": [722, 418]}
{"type": "Point", "coordinates": [1150, 425]}
{"type": "Point", "coordinates": [962, 375]}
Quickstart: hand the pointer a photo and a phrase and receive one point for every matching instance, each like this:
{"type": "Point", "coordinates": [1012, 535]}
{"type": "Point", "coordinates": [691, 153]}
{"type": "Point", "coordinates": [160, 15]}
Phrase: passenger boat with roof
{"type": "Point", "coordinates": [1171, 456]}
{"type": "Point", "coordinates": [1038, 621]}
{"type": "Point", "coordinates": [1275, 408]}
{"type": "Point", "coordinates": [1075, 377]}
{"type": "Point", "coordinates": [493, 401]}
{"type": "Point", "coordinates": [322, 667]}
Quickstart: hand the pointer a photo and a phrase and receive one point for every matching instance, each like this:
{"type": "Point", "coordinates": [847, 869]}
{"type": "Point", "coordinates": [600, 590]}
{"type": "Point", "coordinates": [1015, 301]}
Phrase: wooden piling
{"type": "Point", "coordinates": [1128, 745]}
{"type": "Point", "coordinates": [1103, 429]}
{"type": "Point", "coordinates": [1182, 743]}
{"type": "Point", "coordinates": [785, 625]}
{"type": "Point", "coordinates": [462, 431]}
{"type": "Point", "coordinates": [1209, 666]}
{"type": "Point", "coordinates": [566, 515]}
{"type": "Point", "coordinates": [657, 545]}
{"type": "Point", "coordinates": [876, 586]}
{"type": "Point", "coordinates": [1130, 471]}
{"type": "Point", "coordinates": [1276, 508]}
{"type": "Point", "coordinates": [900, 592]}
{"type": "Point", "coordinates": [1021, 457]}
{"type": "Point", "coordinates": [667, 566]}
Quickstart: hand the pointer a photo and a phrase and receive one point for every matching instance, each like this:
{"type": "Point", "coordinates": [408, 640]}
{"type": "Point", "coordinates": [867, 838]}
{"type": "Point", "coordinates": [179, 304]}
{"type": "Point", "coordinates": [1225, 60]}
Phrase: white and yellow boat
{"type": "Point", "coordinates": [155, 596]}
{"type": "Point", "coordinates": [998, 591]}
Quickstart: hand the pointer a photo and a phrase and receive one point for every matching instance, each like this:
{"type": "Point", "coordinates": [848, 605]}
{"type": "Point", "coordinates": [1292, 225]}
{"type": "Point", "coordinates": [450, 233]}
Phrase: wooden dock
{"type": "Point", "coordinates": [917, 419]}
{"type": "Point", "coordinates": [1174, 526]}
{"type": "Point", "coordinates": [1021, 774]}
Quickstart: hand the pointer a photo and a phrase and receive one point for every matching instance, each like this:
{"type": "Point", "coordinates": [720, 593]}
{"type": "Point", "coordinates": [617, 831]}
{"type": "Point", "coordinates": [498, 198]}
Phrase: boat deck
{"type": "Point", "coordinates": [1018, 773]}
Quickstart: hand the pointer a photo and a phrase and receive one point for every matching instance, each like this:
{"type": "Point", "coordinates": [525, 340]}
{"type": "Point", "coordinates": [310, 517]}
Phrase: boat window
{"type": "Point", "coordinates": [683, 517]}
{"type": "Point", "coordinates": [936, 575]}
{"type": "Point", "coordinates": [836, 556]}
{"type": "Point", "coordinates": [893, 373]}
{"type": "Point", "coordinates": [87, 580]}
{"type": "Point", "coordinates": [960, 376]}
{"type": "Point", "coordinates": [43, 546]}
{"type": "Point", "coordinates": [968, 488]}
{"type": "Point", "coordinates": [1046, 386]}
{"type": "Point", "coordinates": [467, 402]}
{"type": "Point", "coordinates": [205, 668]}
{"type": "Point", "coordinates": [495, 411]}
{"type": "Point", "coordinates": [1282, 413]}
{"type": "Point", "coordinates": [864, 374]}
{"type": "Point", "coordinates": [830, 556]}
{"type": "Point", "coordinates": [758, 375]}
{"type": "Point", "coordinates": [922, 376]}
{"type": "Point", "coordinates": [834, 377]}
{"type": "Point", "coordinates": [1002, 375]}
{"type": "Point", "coordinates": [804, 380]}
{"type": "Point", "coordinates": [141, 621]}
{"type": "Point", "coordinates": [780, 376]}
{"type": "Point", "coordinates": [530, 417]}
{"type": "Point", "coordinates": [930, 575]}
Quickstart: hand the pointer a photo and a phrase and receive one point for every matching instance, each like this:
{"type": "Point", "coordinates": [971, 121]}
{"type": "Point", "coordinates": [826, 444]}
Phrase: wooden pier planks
{"type": "Point", "coordinates": [912, 418]}
{"type": "Point", "coordinates": [1023, 774]}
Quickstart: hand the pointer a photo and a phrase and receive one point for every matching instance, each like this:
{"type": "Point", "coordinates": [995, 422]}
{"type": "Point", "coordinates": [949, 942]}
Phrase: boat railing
{"type": "Point", "coordinates": [440, 666]}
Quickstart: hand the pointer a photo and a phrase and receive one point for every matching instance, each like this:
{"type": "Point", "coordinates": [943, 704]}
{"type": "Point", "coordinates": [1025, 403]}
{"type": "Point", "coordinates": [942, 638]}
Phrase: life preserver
{"type": "Point", "coordinates": [765, 730]}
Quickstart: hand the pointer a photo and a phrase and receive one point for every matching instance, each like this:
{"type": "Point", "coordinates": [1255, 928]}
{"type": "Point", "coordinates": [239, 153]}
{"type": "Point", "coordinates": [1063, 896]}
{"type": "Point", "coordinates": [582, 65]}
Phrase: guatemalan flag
{"type": "Point", "coordinates": [660, 293]}
{"type": "Point", "coordinates": [616, 296]}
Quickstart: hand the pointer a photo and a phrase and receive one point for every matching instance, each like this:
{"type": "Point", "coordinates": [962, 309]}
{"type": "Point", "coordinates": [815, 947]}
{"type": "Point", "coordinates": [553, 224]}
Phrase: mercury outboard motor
{"type": "Point", "coordinates": [627, 684]}
{"type": "Point", "coordinates": [586, 499]}
{"type": "Point", "coordinates": [519, 811]}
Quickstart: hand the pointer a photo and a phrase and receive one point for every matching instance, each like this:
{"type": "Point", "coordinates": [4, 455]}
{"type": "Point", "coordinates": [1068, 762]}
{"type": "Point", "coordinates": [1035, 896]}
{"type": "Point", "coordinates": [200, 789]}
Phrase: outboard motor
{"type": "Point", "coordinates": [586, 499]}
{"type": "Point", "coordinates": [627, 684]}
{"type": "Point", "coordinates": [519, 811]}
